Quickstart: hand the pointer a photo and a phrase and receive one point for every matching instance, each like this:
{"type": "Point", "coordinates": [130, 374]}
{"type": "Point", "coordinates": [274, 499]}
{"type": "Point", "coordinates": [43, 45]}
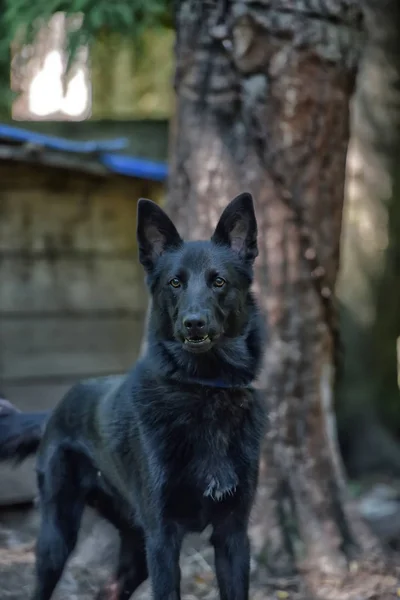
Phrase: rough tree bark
{"type": "Point", "coordinates": [263, 91]}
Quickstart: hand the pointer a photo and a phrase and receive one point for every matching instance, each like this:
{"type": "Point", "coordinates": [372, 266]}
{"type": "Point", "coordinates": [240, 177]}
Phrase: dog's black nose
{"type": "Point", "coordinates": [194, 324]}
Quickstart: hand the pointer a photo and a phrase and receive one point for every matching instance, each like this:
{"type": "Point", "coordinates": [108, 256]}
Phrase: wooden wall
{"type": "Point", "coordinates": [72, 296]}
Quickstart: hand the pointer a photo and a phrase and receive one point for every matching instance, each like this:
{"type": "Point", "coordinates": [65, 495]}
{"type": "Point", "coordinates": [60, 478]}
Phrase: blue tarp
{"type": "Point", "coordinates": [135, 167]}
{"type": "Point", "coordinates": [104, 150]}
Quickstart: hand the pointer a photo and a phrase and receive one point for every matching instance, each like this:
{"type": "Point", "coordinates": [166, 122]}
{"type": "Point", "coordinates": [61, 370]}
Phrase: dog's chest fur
{"type": "Point", "coordinates": [194, 447]}
{"type": "Point", "coordinates": [198, 445]}
{"type": "Point", "coordinates": [203, 419]}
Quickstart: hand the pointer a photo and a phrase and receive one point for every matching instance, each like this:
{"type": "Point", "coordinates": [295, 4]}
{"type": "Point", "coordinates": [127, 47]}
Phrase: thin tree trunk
{"type": "Point", "coordinates": [368, 286]}
{"type": "Point", "coordinates": [263, 92]}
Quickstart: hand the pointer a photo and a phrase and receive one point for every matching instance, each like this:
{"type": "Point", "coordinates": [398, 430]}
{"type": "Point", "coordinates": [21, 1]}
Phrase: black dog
{"type": "Point", "coordinates": [174, 446]}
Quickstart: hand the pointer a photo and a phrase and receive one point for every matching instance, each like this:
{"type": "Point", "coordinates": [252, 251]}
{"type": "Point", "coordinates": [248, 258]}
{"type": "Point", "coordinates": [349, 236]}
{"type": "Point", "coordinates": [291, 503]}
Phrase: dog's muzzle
{"type": "Point", "coordinates": [195, 332]}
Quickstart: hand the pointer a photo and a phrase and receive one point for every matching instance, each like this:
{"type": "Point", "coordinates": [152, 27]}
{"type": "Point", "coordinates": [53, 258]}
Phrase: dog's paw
{"type": "Point", "coordinates": [218, 487]}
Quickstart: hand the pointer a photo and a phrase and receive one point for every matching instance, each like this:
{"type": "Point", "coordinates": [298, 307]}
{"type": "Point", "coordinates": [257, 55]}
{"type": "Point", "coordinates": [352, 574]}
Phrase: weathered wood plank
{"type": "Point", "coordinates": [61, 160]}
{"type": "Point", "coordinates": [71, 284]}
{"type": "Point", "coordinates": [102, 219]}
{"type": "Point", "coordinates": [18, 176]}
{"type": "Point", "coordinates": [67, 247]}
{"type": "Point", "coordinates": [36, 396]}
{"type": "Point", "coordinates": [67, 347]}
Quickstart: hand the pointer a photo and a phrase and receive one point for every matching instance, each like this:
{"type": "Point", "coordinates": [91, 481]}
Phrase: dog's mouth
{"type": "Point", "coordinates": [198, 343]}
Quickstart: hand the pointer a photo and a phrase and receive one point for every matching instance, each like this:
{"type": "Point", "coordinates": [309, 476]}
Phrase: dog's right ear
{"type": "Point", "coordinates": [155, 233]}
{"type": "Point", "coordinates": [237, 227]}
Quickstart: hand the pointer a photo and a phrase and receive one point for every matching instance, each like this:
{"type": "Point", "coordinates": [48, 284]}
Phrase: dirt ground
{"type": "Point", "coordinates": [93, 561]}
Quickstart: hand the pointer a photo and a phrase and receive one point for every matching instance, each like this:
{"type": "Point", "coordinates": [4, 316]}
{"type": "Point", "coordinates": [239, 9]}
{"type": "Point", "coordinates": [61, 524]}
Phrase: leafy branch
{"type": "Point", "coordinates": [22, 20]}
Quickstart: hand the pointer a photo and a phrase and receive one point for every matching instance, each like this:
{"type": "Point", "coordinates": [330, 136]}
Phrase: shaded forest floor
{"type": "Point", "coordinates": [94, 558]}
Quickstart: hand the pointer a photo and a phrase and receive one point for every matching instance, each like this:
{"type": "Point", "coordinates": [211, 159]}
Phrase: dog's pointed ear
{"type": "Point", "coordinates": [237, 227]}
{"type": "Point", "coordinates": [155, 233]}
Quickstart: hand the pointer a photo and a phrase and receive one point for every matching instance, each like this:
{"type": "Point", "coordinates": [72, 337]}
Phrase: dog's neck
{"type": "Point", "coordinates": [217, 383]}
{"type": "Point", "coordinates": [233, 364]}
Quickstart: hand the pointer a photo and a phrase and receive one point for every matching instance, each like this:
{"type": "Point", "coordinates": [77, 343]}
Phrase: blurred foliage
{"type": "Point", "coordinates": [129, 84]}
{"type": "Point", "coordinates": [22, 19]}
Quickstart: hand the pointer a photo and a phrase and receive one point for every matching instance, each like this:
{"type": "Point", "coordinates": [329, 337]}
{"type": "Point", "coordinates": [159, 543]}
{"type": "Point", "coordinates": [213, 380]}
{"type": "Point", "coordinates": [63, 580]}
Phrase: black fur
{"type": "Point", "coordinates": [20, 433]}
{"type": "Point", "coordinates": [173, 446]}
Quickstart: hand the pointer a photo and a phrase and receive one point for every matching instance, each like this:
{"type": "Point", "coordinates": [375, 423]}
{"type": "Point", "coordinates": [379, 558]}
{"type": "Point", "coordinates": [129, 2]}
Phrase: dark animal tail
{"type": "Point", "coordinates": [20, 433]}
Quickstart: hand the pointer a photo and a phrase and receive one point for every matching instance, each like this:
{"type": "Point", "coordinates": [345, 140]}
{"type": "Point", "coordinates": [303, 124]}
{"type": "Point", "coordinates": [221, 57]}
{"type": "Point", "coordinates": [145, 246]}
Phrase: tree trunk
{"type": "Point", "coordinates": [263, 92]}
{"type": "Point", "coordinates": [369, 285]}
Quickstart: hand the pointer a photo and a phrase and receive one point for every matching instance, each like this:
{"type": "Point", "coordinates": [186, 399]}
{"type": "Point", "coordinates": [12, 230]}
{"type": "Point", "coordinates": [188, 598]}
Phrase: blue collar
{"type": "Point", "coordinates": [214, 383]}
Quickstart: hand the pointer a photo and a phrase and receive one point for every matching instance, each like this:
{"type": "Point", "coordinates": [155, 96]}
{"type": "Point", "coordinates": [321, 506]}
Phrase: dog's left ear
{"type": "Point", "coordinates": [237, 227]}
{"type": "Point", "coordinates": [155, 233]}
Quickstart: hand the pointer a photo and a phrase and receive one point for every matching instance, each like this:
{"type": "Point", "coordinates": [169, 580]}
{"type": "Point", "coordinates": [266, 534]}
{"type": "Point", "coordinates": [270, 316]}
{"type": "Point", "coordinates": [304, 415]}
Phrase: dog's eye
{"type": "Point", "coordinates": [175, 282]}
{"type": "Point", "coordinates": [219, 282]}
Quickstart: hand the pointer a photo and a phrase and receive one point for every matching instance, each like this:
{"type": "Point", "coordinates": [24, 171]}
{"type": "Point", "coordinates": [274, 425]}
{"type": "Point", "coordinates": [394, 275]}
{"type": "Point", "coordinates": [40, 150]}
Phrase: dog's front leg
{"type": "Point", "coordinates": [232, 560]}
{"type": "Point", "coordinates": [163, 546]}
